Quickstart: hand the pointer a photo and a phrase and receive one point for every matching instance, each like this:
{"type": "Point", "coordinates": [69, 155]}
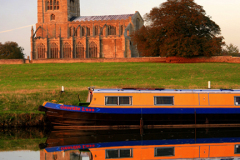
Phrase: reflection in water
{"type": "Point", "coordinates": [19, 155]}
{"type": "Point", "coordinates": [152, 144]}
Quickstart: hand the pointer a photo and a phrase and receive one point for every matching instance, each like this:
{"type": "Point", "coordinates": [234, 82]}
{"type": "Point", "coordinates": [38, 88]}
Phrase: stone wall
{"type": "Point", "coordinates": [11, 61]}
{"type": "Point", "coordinates": [14, 61]}
{"type": "Point", "coordinates": [217, 59]}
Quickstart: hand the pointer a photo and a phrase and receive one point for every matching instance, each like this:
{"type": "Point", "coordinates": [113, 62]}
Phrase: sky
{"type": "Point", "coordinates": [17, 17]}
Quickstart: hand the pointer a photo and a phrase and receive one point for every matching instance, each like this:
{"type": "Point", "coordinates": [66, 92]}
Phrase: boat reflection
{"type": "Point", "coordinates": [150, 145]}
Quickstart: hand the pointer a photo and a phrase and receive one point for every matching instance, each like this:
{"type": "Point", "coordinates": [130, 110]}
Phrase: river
{"type": "Point", "coordinates": [201, 143]}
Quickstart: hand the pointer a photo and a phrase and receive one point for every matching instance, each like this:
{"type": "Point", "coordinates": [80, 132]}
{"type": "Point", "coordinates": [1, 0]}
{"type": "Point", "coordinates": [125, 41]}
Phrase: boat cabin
{"type": "Point", "coordinates": [167, 98]}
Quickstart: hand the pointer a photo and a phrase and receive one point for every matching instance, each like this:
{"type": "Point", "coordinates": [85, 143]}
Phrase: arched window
{"type": "Point", "coordinates": [66, 50]}
{"type": "Point", "coordinates": [137, 24]}
{"type": "Point", "coordinates": [111, 30]}
{"type": "Point", "coordinates": [41, 51]}
{"type": "Point", "coordinates": [80, 50]}
{"type": "Point", "coordinates": [71, 5]}
{"type": "Point", "coordinates": [96, 30]}
{"type": "Point", "coordinates": [92, 50]}
{"type": "Point", "coordinates": [71, 31]}
{"type": "Point", "coordinates": [83, 31]}
{"type": "Point", "coordinates": [121, 30]}
{"type": "Point", "coordinates": [54, 50]}
{"type": "Point", "coordinates": [101, 31]}
{"type": "Point", "coordinates": [88, 31]}
{"type": "Point", "coordinates": [76, 32]}
{"type": "Point", "coordinates": [52, 16]}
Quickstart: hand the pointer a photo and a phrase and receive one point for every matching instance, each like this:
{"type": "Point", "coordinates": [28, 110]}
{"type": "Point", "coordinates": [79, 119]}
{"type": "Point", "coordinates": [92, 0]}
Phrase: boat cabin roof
{"type": "Point", "coordinates": [132, 90]}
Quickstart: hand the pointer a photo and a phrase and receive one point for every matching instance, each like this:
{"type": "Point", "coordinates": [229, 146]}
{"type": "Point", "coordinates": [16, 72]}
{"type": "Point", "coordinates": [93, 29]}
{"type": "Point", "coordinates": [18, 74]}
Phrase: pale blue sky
{"type": "Point", "coordinates": [15, 14]}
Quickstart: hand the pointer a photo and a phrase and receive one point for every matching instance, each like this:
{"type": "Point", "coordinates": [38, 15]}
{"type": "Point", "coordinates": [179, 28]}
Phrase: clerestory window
{"type": "Point", "coordinates": [111, 30]}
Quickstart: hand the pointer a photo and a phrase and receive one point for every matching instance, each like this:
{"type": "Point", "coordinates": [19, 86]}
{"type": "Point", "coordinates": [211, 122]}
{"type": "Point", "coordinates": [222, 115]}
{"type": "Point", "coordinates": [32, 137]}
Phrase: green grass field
{"type": "Point", "coordinates": [24, 87]}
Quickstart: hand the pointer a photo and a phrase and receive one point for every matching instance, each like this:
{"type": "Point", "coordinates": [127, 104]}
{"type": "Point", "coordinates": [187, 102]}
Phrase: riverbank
{"type": "Point", "coordinates": [24, 87]}
{"type": "Point", "coordinates": [21, 110]}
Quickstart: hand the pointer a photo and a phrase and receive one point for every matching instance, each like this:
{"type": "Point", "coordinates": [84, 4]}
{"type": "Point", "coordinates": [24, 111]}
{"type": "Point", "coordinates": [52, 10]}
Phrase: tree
{"type": "Point", "coordinates": [11, 50]}
{"type": "Point", "coordinates": [231, 50]}
{"type": "Point", "coordinates": [178, 28]}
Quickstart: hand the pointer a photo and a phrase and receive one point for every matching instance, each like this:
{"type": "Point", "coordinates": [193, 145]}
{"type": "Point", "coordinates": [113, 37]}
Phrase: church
{"type": "Point", "coordinates": [62, 33]}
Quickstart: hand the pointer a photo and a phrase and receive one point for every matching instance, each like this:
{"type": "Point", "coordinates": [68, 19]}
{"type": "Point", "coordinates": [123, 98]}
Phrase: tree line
{"type": "Point", "coordinates": [180, 28]}
{"type": "Point", "coordinates": [11, 50]}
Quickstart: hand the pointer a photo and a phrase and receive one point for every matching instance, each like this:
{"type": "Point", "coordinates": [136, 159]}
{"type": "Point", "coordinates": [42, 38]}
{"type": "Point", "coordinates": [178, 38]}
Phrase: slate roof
{"type": "Point", "coordinates": [102, 18]}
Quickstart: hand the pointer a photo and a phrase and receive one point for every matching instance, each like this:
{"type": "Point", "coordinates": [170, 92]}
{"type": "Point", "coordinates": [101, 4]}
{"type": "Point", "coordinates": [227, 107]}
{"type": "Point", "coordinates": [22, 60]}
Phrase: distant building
{"type": "Point", "coordinates": [62, 33]}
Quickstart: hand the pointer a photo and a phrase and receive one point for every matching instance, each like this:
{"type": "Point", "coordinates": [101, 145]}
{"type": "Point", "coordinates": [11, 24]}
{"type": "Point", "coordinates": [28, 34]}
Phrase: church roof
{"type": "Point", "coordinates": [102, 18]}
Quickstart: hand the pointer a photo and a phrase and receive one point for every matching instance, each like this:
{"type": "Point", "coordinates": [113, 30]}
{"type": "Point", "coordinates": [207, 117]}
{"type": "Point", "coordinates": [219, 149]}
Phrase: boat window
{"type": "Point", "coordinates": [123, 101]}
{"type": "Point", "coordinates": [237, 101]}
{"type": "Point", "coordinates": [111, 153]}
{"type": "Point", "coordinates": [111, 100]}
{"type": "Point", "coordinates": [237, 149]}
{"type": "Point", "coordinates": [160, 152]}
{"type": "Point", "coordinates": [163, 100]}
{"type": "Point", "coordinates": [118, 153]}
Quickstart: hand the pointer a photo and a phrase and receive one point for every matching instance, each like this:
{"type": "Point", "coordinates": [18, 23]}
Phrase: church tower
{"type": "Point", "coordinates": [57, 10]}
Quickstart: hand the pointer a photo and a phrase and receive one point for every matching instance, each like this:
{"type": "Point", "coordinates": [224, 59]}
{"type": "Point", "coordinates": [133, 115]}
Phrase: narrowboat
{"type": "Point", "coordinates": [132, 107]}
{"type": "Point", "coordinates": [203, 145]}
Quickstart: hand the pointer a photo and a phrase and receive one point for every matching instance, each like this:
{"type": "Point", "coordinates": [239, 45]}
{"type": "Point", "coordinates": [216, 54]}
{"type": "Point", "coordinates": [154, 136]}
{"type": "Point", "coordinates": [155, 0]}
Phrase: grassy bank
{"type": "Point", "coordinates": [18, 110]}
{"type": "Point", "coordinates": [78, 76]}
{"type": "Point", "coordinates": [24, 87]}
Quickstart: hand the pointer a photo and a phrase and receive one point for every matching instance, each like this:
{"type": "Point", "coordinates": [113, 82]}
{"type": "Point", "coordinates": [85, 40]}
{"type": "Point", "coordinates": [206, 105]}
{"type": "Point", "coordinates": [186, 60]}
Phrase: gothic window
{"type": "Point", "coordinates": [121, 30]}
{"type": "Point", "coordinates": [41, 51]}
{"type": "Point", "coordinates": [52, 17]}
{"type": "Point", "coordinates": [53, 5]}
{"type": "Point", "coordinates": [54, 50]}
{"type": "Point", "coordinates": [111, 30]}
{"type": "Point", "coordinates": [88, 31]}
{"type": "Point", "coordinates": [83, 31]}
{"type": "Point", "coordinates": [72, 5]}
{"type": "Point", "coordinates": [66, 50]}
{"type": "Point", "coordinates": [56, 5]}
{"type": "Point", "coordinates": [71, 31]}
{"type": "Point", "coordinates": [80, 50]}
{"type": "Point", "coordinates": [50, 5]}
{"type": "Point", "coordinates": [101, 31]}
{"type": "Point", "coordinates": [76, 32]}
{"type": "Point", "coordinates": [137, 24]}
{"type": "Point", "coordinates": [96, 30]}
{"type": "Point", "coordinates": [92, 50]}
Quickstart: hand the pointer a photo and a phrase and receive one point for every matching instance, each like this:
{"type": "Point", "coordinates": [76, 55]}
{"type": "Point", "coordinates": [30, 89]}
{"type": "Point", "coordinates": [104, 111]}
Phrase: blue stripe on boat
{"type": "Point", "coordinates": [144, 143]}
{"type": "Point", "coordinates": [143, 110]}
